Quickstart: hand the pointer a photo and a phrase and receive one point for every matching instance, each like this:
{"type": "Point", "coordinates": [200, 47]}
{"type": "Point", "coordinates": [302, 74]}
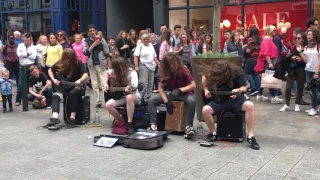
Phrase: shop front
{"type": "Point", "coordinates": [46, 16]}
{"type": "Point", "coordinates": [198, 14]}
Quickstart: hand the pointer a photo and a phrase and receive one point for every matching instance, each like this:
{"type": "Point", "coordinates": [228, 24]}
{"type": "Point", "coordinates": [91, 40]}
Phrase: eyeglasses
{"type": "Point", "coordinates": [298, 38]}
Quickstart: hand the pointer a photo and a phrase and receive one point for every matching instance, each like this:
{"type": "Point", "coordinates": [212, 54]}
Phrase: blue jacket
{"type": "Point", "coordinates": [6, 86]}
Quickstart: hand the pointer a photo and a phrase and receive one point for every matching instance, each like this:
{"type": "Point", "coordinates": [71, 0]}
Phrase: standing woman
{"type": "Point", "coordinates": [268, 59]}
{"type": "Point", "coordinates": [297, 74]}
{"type": "Point", "coordinates": [146, 65]}
{"type": "Point", "coordinates": [63, 39]}
{"type": "Point", "coordinates": [122, 44]}
{"type": "Point", "coordinates": [310, 55]}
{"type": "Point", "coordinates": [252, 51]}
{"type": "Point", "coordinates": [195, 41]}
{"type": "Point", "coordinates": [233, 46]}
{"type": "Point", "coordinates": [206, 47]}
{"type": "Point", "coordinates": [53, 53]}
{"type": "Point", "coordinates": [184, 50]}
{"type": "Point", "coordinates": [41, 48]}
{"type": "Point", "coordinates": [165, 44]}
{"type": "Point", "coordinates": [78, 48]}
{"type": "Point", "coordinates": [10, 57]}
{"type": "Point", "coordinates": [132, 39]}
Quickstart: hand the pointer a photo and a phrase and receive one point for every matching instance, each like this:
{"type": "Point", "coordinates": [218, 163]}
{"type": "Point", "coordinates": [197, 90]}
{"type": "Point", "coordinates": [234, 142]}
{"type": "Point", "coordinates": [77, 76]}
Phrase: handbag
{"type": "Point", "coordinates": [268, 81]}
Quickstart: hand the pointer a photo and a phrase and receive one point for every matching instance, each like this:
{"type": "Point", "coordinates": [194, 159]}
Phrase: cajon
{"type": "Point", "coordinates": [177, 120]}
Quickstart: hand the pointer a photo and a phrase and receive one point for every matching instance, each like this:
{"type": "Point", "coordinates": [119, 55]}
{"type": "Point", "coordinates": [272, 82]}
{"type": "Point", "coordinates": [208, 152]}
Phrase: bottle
{"type": "Point", "coordinates": [199, 129]}
{"type": "Point", "coordinates": [97, 118]}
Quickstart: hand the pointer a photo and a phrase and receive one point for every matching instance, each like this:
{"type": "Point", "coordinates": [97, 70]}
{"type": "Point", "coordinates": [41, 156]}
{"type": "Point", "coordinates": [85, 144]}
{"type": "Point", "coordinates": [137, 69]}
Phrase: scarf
{"type": "Point", "coordinates": [312, 44]}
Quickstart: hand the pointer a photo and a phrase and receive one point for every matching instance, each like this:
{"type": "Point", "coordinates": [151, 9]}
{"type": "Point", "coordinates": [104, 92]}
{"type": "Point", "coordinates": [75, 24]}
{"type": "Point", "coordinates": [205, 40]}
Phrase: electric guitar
{"type": "Point", "coordinates": [117, 93]}
{"type": "Point", "coordinates": [218, 93]}
{"type": "Point", "coordinates": [65, 85]}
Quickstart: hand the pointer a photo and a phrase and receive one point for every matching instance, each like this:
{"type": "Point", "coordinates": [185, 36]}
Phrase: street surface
{"type": "Point", "coordinates": [289, 149]}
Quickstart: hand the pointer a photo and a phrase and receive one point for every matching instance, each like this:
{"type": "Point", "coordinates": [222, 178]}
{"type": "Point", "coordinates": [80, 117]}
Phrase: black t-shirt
{"type": "Point", "coordinates": [235, 83]}
{"type": "Point", "coordinates": [39, 82]}
{"type": "Point", "coordinates": [300, 64]}
{"type": "Point", "coordinates": [80, 70]}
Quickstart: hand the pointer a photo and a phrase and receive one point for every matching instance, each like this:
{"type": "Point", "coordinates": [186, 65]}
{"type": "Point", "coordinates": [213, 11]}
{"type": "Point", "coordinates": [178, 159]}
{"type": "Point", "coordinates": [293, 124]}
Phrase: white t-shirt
{"type": "Point", "coordinates": [312, 58]}
{"type": "Point", "coordinates": [146, 56]}
{"type": "Point", "coordinates": [132, 78]}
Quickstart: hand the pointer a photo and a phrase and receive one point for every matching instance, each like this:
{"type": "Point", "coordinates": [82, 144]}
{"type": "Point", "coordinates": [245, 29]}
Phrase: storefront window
{"type": "Point", "coordinates": [14, 22]}
{"type": "Point", "coordinates": [201, 19]}
{"type": "Point", "coordinates": [315, 8]}
{"type": "Point", "coordinates": [178, 3]}
{"type": "Point", "coordinates": [177, 17]}
{"type": "Point", "coordinates": [200, 2]}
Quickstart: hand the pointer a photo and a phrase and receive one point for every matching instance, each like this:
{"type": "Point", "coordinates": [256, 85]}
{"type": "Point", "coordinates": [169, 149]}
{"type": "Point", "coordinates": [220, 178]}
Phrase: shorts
{"type": "Point", "coordinates": [123, 100]}
{"type": "Point", "coordinates": [234, 105]}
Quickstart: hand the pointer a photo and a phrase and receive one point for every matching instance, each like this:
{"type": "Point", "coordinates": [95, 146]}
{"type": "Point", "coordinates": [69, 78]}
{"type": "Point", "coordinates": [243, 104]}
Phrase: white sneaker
{"type": "Point", "coordinates": [307, 111]}
{"type": "Point", "coordinates": [276, 100]}
{"type": "Point", "coordinates": [312, 112]}
{"type": "Point", "coordinates": [296, 108]}
{"type": "Point", "coordinates": [262, 98]}
{"type": "Point", "coordinates": [285, 108]}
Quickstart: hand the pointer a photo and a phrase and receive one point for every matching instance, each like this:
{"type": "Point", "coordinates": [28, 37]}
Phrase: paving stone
{"type": "Point", "coordinates": [223, 176]}
{"type": "Point", "coordinates": [237, 169]}
{"type": "Point", "coordinates": [301, 176]}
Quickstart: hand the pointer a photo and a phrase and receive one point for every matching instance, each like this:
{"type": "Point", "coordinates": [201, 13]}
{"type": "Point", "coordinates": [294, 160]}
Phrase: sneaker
{"type": "Point", "coordinates": [285, 108]}
{"type": "Point", "coordinates": [296, 108]}
{"type": "Point", "coordinates": [253, 143]}
{"type": "Point", "coordinates": [210, 137]}
{"type": "Point", "coordinates": [4, 110]}
{"type": "Point", "coordinates": [53, 121]}
{"type": "Point", "coordinates": [253, 92]}
{"type": "Point", "coordinates": [71, 123]}
{"type": "Point", "coordinates": [49, 107]}
{"type": "Point", "coordinates": [189, 133]}
{"type": "Point", "coordinates": [130, 128]}
{"type": "Point", "coordinates": [307, 111]}
{"type": "Point", "coordinates": [293, 96]}
{"type": "Point", "coordinates": [262, 98]}
{"type": "Point", "coordinates": [10, 110]}
{"type": "Point", "coordinates": [312, 112]}
{"type": "Point", "coordinates": [276, 100]}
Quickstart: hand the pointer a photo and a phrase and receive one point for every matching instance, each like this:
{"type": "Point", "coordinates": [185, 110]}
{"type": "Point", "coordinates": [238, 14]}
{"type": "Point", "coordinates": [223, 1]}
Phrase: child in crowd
{"type": "Point", "coordinates": [6, 90]}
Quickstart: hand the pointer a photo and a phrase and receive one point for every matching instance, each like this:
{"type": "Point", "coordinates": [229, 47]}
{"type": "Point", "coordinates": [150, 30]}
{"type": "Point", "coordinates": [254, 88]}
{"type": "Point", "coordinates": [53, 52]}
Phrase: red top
{"type": "Point", "coordinates": [267, 48]}
{"type": "Point", "coordinates": [179, 80]}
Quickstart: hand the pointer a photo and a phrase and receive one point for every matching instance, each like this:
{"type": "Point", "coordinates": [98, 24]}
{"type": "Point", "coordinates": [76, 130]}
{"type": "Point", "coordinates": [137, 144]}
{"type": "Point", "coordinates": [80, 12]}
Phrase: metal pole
{"type": "Point", "coordinates": [24, 88]}
{"type": "Point", "coordinates": [242, 14]}
{"type": "Point", "coordinates": [309, 8]}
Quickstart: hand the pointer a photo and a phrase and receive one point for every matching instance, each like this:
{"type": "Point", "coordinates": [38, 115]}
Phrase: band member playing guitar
{"type": "Point", "coordinates": [125, 77]}
{"type": "Point", "coordinates": [67, 76]}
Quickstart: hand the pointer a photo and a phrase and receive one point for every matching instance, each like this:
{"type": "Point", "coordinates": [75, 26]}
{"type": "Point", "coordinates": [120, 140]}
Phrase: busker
{"type": "Point", "coordinates": [224, 77]}
{"type": "Point", "coordinates": [180, 84]}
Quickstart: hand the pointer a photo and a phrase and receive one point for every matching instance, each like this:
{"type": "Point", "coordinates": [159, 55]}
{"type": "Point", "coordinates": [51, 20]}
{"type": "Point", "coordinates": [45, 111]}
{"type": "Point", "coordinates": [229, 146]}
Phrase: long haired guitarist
{"type": "Point", "coordinates": [67, 75]}
{"type": "Point", "coordinates": [125, 77]}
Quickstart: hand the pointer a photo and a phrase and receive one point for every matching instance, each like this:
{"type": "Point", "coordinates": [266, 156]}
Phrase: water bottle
{"type": "Point", "coordinates": [97, 118]}
{"type": "Point", "coordinates": [199, 129]}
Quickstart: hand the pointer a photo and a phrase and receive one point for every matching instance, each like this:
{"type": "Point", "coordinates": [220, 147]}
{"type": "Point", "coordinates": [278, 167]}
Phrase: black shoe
{"type": "Point", "coordinates": [189, 133]}
{"type": "Point", "coordinates": [10, 110]}
{"type": "Point", "coordinates": [89, 84]}
{"type": "Point", "coordinates": [4, 110]}
{"type": "Point", "coordinates": [253, 143]}
{"type": "Point", "coordinates": [53, 121]}
{"type": "Point", "coordinates": [98, 105]}
{"type": "Point", "coordinates": [71, 123]}
{"type": "Point", "coordinates": [130, 128]}
{"type": "Point", "coordinates": [210, 137]}
{"type": "Point", "coordinates": [304, 103]}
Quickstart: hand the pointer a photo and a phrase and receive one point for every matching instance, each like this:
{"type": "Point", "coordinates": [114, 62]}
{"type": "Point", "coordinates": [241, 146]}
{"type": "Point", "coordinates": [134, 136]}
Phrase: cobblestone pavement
{"type": "Point", "coordinates": [289, 141]}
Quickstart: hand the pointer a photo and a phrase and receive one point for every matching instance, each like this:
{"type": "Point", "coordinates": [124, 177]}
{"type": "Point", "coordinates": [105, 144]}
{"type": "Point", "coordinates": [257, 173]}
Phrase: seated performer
{"type": "Point", "coordinates": [180, 84]}
{"type": "Point", "coordinates": [223, 77]}
{"type": "Point", "coordinates": [67, 69]}
{"type": "Point", "coordinates": [42, 84]}
{"type": "Point", "coordinates": [123, 76]}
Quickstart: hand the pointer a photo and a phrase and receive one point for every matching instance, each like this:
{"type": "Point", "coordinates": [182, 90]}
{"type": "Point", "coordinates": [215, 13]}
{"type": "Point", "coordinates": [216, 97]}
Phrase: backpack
{"type": "Point", "coordinates": [173, 41]}
{"type": "Point", "coordinates": [144, 139]}
{"type": "Point", "coordinates": [120, 127]}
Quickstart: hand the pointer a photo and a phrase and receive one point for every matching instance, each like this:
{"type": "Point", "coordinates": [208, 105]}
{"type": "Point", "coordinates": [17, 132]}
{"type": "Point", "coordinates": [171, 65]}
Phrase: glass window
{"type": "Point", "coordinates": [315, 8]}
{"type": "Point", "coordinates": [38, 26]}
{"type": "Point", "coordinates": [177, 17]}
{"type": "Point", "coordinates": [201, 19]}
{"type": "Point", "coordinates": [86, 20]}
{"type": "Point", "coordinates": [177, 3]}
{"type": "Point", "coordinates": [46, 3]}
{"type": "Point", "coordinates": [200, 2]}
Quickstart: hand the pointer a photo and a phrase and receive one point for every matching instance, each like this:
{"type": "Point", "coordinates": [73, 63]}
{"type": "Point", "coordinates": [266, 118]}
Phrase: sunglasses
{"type": "Point", "coordinates": [298, 38]}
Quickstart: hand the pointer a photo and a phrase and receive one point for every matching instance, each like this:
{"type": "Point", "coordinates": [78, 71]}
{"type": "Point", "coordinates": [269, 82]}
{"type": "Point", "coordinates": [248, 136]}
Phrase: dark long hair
{"type": "Point", "coordinates": [121, 70]}
{"type": "Point", "coordinates": [304, 38]}
{"type": "Point", "coordinates": [208, 45]}
{"type": "Point", "coordinates": [168, 59]}
{"type": "Point", "coordinates": [166, 35]}
{"type": "Point", "coordinates": [68, 62]}
{"type": "Point", "coordinates": [254, 34]}
{"type": "Point", "coordinates": [220, 72]}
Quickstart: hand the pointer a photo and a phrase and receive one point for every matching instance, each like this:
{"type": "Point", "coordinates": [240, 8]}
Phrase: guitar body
{"type": "Point", "coordinates": [112, 94]}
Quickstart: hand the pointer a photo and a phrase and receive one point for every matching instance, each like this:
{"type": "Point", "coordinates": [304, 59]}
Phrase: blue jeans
{"type": "Point", "coordinates": [294, 87]}
{"type": "Point", "coordinates": [313, 94]}
{"type": "Point", "coordinates": [251, 75]}
{"type": "Point", "coordinates": [46, 93]}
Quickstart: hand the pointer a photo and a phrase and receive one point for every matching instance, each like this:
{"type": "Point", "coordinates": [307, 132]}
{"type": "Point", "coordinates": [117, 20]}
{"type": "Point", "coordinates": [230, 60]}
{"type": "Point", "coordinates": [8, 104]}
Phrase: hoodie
{"type": "Point", "coordinates": [78, 48]}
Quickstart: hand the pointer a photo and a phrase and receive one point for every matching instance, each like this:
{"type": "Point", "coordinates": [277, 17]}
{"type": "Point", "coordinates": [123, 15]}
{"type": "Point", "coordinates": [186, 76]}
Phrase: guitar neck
{"type": "Point", "coordinates": [224, 93]}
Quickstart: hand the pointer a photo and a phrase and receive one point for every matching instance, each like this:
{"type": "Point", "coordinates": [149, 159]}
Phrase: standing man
{"type": "Point", "coordinates": [163, 27]}
{"type": "Point", "coordinates": [27, 55]}
{"type": "Point", "coordinates": [175, 40]}
{"type": "Point", "coordinates": [98, 52]}
{"type": "Point", "coordinates": [17, 38]}
{"type": "Point", "coordinates": [312, 24]}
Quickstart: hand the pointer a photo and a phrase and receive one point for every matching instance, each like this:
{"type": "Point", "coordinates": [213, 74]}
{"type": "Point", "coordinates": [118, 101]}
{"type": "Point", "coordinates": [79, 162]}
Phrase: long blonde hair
{"type": "Point", "coordinates": [41, 36]}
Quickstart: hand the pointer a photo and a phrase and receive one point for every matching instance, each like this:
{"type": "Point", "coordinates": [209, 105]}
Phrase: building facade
{"type": "Point", "coordinates": [46, 16]}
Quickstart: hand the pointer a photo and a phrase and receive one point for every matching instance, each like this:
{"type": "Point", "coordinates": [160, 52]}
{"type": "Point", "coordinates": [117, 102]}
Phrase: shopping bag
{"type": "Point", "coordinates": [268, 81]}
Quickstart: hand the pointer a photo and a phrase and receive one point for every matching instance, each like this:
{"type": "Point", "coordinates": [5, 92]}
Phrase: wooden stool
{"type": "Point", "coordinates": [177, 121]}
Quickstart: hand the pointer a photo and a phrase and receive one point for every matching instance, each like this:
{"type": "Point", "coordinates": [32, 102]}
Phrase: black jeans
{"type": "Point", "coordinates": [72, 96]}
{"type": "Point", "coordinates": [45, 70]}
{"type": "Point", "coordinates": [46, 93]}
{"type": "Point", "coordinates": [13, 67]}
{"type": "Point", "coordinates": [6, 98]}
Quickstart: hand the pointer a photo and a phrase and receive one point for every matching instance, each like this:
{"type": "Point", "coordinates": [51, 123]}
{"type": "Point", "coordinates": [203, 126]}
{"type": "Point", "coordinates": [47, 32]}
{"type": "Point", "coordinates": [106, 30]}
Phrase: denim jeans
{"type": "Point", "coordinates": [188, 99]}
{"type": "Point", "coordinates": [251, 75]}
{"type": "Point", "coordinates": [6, 98]}
{"type": "Point", "coordinates": [313, 94]}
{"type": "Point", "coordinates": [46, 93]}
